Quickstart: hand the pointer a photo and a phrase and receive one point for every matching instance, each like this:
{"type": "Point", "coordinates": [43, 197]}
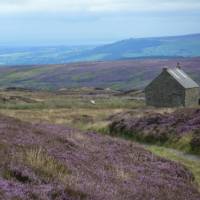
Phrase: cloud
{"type": "Point", "coordinates": [21, 6]}
{"type": "Point", "coordinates": [40, 22]}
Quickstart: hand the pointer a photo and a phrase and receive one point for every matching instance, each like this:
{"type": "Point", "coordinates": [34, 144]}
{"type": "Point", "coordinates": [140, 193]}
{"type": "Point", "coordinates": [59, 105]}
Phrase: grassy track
{"type": "Point", "coordinates": [192, 162]}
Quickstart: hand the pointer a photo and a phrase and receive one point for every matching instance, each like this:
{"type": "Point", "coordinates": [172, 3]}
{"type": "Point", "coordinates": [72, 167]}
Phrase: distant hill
{"type": "Point", "coordinates": [158, 47]}
{"type": "Point", "coordinates": [177, 46]}
{"type": "Point", "coordinates": [124, 74]}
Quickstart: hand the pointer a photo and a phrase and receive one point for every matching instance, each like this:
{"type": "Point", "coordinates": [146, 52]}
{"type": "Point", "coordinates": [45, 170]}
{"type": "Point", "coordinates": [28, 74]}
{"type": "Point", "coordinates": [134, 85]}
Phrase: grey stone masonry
{"type": "Point", "coordinates": [172, 88]}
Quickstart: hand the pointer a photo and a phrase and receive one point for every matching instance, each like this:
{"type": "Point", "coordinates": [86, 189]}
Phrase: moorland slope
{"type": "Point", "coordinates": [55, 162]}
{"type": "Point", "coordinates": [181, 127]}
{"type": "Point", "coordinates": [126, 74]}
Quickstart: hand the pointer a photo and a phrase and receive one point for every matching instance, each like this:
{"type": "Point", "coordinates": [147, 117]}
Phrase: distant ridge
{"type": "Point", "coordinates": [184, 46]}
{"type": "Point", "coordinates": [170, 46]}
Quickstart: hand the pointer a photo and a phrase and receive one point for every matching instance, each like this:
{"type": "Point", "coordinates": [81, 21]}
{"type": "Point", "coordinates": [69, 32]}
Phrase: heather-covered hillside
{"type": "Point", "coordinates": [55, 162]}
{"type": "Point", "coordinates": [180, 129]}
{"type": "Point", "coordinates": [127, 74]}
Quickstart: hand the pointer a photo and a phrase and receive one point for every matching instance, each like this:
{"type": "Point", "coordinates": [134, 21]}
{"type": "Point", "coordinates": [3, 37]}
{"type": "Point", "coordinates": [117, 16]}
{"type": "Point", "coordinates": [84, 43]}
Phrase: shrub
{"type": "Point", "coordinates": [195, 142]}
{"type": "Point", "coordinates": [17, 175]}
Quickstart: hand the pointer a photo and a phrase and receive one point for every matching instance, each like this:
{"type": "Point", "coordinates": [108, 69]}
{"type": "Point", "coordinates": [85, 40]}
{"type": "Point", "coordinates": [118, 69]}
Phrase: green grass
{"type": "Point", "coordinates": [83, 77]}
{"type": "Point", "coordinates": [27, 74]}
{"type": "Point", "coordinates": [51, 101]}
{"type": "Point", "coordinates": [182, 143]}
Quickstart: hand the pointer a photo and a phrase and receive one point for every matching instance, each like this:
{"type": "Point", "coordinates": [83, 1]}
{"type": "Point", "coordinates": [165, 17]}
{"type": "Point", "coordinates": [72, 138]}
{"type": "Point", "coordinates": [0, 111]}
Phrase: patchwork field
{"type": "Point", "coordinates": [175, 46]}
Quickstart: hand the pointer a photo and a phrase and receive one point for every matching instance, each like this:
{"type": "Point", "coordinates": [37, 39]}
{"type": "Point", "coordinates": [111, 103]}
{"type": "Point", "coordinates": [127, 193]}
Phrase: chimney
{"type": "Point", "coordinates": [178, 66]}
{"type": "Point", "coordinates": [165, 69]}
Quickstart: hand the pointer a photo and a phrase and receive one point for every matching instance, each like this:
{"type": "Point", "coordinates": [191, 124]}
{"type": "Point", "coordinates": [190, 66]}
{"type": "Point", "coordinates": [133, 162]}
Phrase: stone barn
{"type": "Point", "coordinates": [172, 88]}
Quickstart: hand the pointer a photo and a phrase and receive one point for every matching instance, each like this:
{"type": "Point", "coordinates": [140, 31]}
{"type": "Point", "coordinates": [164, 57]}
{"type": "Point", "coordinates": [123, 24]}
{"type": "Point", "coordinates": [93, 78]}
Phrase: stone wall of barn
{"type": "Point", "coordinates": [192, 97]}
{"type": "Point", "coordinates": [165, 91]}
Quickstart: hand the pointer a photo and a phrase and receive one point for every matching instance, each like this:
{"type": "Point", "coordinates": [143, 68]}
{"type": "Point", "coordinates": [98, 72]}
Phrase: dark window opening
{"type": "Point", "coordinates": [199, 101]}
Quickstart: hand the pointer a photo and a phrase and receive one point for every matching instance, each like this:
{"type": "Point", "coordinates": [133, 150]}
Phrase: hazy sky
{"type": "Point", "coordinates": [67, 22]}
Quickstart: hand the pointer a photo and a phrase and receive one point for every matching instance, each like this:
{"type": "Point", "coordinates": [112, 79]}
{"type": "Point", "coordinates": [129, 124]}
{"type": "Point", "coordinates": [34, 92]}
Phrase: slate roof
{"type": "Point", "coordinates": [182, 78]}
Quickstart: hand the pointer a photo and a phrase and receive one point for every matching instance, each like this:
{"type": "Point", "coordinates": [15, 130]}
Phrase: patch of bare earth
{"type": "Point", "coordinates": [42, 161]}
